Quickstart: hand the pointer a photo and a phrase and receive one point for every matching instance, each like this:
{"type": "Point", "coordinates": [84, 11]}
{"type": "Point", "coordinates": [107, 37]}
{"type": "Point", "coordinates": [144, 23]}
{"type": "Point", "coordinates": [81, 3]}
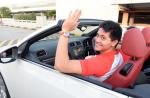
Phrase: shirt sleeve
{"type": "Point", "coordinates": [97, 66]}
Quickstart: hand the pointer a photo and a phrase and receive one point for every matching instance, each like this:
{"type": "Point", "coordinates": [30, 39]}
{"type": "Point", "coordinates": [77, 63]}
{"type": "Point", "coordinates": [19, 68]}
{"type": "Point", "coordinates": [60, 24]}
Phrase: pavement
{"type": "Point", "coordinates": [11, 42]}
{"type": "Point", "coordinates": [15, 40]}
{"type": "Point", "coordinates": [8, 42]}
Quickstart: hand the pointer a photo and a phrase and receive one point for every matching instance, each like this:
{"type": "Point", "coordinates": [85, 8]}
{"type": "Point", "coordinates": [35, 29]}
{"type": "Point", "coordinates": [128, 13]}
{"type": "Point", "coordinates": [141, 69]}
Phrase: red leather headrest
{"type": "Point", "coordinates": [146, 34]}
{"type": "Point", "coordinates": [133, 43]}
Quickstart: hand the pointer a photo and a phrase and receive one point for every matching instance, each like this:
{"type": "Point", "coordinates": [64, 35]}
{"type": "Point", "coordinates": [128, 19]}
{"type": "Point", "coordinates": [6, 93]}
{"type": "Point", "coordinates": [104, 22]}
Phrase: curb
{"type": "Point", "coordinates": [22, 27]}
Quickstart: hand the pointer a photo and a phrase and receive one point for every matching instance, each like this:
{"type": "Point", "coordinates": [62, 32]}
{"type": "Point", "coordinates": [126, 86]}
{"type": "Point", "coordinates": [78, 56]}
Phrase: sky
{"type": "Point", "coordinates": [9, 2]}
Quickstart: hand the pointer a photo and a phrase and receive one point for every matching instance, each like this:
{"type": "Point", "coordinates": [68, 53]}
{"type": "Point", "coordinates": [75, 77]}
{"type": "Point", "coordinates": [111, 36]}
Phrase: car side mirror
{"type": "Point", "coordinates": [9, 55]}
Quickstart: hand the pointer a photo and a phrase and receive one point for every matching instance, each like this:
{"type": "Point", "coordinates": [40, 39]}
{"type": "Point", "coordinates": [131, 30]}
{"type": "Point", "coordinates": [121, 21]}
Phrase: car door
{"type": "Point", "coordinates": [27, 79]}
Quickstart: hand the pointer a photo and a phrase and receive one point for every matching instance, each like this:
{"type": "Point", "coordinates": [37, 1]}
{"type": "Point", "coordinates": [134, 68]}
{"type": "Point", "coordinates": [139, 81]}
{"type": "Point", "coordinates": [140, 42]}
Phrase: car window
{"type": "Point", "coordinates": [77, 32]}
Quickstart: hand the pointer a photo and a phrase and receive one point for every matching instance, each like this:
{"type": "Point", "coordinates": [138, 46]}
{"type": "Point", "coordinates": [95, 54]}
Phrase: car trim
{"type": "Point", "coordinates": [96, 82]}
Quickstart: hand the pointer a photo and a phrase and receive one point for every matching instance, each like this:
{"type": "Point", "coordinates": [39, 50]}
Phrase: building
{"type": "Point", "coordinates": [37, 7]}
{"type": "Point", "coordinates": [133, 12]}
{"type": "Point", "coordinates": [97, 9]}
{"type": "Point", "coordinates": [126, 12]}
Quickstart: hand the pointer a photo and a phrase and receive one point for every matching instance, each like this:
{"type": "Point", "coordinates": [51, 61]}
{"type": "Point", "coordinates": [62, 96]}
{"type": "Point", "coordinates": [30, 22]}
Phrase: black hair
{"type": "Point", "coordinates": [113, 28]}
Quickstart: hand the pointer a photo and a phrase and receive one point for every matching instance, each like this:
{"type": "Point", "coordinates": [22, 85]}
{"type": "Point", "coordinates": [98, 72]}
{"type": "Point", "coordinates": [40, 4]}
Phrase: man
{"type": "Point", "coordinates": [98, 67]}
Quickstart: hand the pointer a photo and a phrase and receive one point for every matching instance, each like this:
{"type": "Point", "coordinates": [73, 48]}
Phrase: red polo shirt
{"type": "Point", "coordinates": [101, 64]}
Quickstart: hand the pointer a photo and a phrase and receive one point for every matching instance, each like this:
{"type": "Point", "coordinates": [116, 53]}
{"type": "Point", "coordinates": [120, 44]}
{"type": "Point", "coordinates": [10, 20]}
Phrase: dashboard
{"type": "Point", "coordinates": [44, 50]}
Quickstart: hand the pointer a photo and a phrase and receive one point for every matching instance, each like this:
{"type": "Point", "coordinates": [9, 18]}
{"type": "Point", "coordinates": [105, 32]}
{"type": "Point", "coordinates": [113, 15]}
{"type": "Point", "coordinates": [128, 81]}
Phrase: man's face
{"type": "Point", "coordinates": [103, 42]}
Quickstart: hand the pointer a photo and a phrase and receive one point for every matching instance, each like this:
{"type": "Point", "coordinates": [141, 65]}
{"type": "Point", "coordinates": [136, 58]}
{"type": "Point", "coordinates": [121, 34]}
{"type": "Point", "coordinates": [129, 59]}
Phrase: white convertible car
{"type": "Point", "coordinates": [27, 68]}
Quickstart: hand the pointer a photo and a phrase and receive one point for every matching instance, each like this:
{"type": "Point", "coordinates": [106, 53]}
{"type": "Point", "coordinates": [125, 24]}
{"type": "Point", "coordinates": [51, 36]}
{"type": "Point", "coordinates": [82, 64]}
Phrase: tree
{"type": "Point", "coordinates": [51, 13]}
{"type": "Point", "coordinates": [5, 12]}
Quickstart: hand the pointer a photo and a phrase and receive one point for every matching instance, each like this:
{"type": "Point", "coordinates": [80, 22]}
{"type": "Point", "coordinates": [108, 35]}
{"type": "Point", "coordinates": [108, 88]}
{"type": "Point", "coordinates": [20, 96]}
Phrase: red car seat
{"type": "Point", "coordinates": [146, 34]}
{"type": "Point", "coordinates": [133, 44]}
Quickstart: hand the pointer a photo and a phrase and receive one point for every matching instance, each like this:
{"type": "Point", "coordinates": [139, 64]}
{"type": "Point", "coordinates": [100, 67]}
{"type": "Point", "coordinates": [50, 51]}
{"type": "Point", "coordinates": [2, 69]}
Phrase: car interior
{"type": "Point", "coordinates": [134, 79]}
{"type": "Point", "coordinates": [134, 73]}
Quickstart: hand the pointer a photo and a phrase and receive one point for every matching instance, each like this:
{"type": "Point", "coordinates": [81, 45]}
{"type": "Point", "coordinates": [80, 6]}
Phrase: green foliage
{"type": "Point", "coordinates": [51, 13]}
{"type": "Point", "coordinates": [25, 16]}
{"type": "Point", "coordinates": [5, 12]}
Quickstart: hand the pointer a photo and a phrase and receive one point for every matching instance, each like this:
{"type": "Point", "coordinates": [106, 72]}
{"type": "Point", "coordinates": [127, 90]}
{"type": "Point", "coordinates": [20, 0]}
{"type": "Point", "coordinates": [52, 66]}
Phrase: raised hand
{"type": "Point", "coordinates": [72, 21]}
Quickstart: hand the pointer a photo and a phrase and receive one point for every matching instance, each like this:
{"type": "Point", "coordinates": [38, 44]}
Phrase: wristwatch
{"type": "Point", "coordinates": [65, 34]}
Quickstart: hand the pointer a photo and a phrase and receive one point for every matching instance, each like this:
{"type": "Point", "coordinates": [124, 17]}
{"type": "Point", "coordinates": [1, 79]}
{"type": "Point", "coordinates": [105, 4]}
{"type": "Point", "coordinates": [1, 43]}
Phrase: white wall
{"type": "Point", "coordinates": [130, 1]}
{"type": "Point", "coordinates": [34, 24]}
{"type": "Point", "coordinates": [98, 9]}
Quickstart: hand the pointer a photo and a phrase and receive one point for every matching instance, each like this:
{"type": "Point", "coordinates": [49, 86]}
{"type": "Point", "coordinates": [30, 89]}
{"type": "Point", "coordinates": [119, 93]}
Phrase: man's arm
{"type": "Point", "coordinates": [62, 62]}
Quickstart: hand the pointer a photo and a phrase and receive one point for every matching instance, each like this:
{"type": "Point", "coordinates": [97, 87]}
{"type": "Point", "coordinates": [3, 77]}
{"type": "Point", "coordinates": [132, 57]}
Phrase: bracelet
{"type": "Point", "coordinates": [65, 34]}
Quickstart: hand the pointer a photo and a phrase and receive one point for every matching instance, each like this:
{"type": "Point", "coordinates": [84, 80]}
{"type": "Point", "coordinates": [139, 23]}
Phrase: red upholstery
{"type": "Point", "coordinates": [146, 34]}
{"type": "Point", "coordinates": [134, 45]}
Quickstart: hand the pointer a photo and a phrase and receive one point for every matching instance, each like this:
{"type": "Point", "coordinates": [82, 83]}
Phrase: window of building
{"type": "Point", "coordinates": [142, 17]}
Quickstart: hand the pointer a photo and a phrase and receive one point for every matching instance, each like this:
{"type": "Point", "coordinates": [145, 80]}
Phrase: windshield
{"type": "Point", "coordinates": [79, 31]}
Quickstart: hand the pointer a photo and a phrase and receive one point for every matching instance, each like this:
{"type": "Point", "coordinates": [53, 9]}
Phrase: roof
{"type": "Point", "coordinates": [34, 6]}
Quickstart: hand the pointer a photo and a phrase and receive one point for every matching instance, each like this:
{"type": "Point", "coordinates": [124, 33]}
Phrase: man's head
{"type": "Point", "coordinates": [108, 36]}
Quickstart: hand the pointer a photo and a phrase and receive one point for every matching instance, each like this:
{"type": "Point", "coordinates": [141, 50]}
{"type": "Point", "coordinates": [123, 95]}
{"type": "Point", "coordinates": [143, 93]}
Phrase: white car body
{"type": "Point", "coordinates": [29, 80]}
{"type": "Point", "coordinates": [26, 79]}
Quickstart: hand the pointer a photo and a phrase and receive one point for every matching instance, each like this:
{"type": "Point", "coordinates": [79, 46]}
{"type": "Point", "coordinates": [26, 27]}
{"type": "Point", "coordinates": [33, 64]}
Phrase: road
{"type": "Point", "coordinates": [10, 35]}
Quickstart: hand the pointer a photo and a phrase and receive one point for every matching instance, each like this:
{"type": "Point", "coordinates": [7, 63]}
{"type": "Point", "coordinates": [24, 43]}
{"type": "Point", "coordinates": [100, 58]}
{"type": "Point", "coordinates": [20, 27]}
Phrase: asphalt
{"type": "Point", "coordinates": [8, 42]}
